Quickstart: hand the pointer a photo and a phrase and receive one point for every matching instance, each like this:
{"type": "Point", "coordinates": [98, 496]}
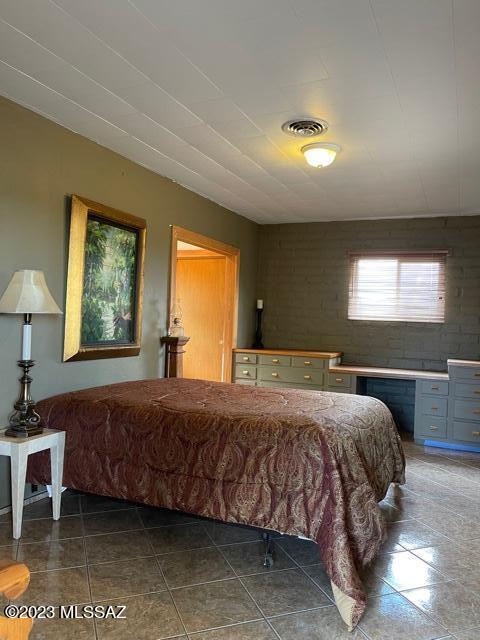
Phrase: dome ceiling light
{"type": "Point", "coordinates": [317, 154]}
{"type": "Point", "coordinates": [321, 154]}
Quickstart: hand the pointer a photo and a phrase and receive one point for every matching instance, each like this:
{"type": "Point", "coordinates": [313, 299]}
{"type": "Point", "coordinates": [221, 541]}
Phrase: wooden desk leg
{"type": "Point", "coordinates": [56, 463]}
{"type": "Point", "coordinates": [18, 471]}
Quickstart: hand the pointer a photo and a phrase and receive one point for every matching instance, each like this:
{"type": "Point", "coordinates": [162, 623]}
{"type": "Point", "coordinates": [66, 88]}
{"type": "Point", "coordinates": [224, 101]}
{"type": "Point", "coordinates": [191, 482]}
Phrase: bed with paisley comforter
{"type": "Point", "coordinates": [308, 463]}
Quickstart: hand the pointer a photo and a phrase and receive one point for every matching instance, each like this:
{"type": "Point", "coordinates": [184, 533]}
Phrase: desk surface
{"type": "Point", "coordinates": [292, 352]}
{"type": "Point", "coordinates": [379, 372]}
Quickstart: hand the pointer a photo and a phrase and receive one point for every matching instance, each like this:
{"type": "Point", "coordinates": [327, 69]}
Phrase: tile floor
{"type": "Point", "coordinates": [187, 578]}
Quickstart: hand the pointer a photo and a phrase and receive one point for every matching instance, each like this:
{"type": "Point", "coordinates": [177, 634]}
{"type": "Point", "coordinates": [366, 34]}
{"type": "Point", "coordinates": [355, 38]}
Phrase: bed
{"type": "Point", "coordinates": [307, 463]}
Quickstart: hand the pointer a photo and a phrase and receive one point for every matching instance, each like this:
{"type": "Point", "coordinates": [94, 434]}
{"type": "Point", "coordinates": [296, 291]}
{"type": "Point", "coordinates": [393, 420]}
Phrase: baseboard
{"type": "Point", "coordinates": [38, 496]}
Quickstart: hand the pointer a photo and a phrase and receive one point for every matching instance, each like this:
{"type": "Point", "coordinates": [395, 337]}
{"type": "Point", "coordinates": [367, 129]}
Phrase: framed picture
{"type": "Point", "coordinates": [103, 317]}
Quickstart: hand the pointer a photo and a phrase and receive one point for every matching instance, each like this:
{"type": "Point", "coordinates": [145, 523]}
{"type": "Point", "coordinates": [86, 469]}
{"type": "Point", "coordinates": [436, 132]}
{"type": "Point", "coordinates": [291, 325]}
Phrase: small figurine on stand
{"type": "Point", "coordinates": [176, 319]}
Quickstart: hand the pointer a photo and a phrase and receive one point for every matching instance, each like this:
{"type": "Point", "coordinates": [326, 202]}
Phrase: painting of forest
{"type": "Point", "coordinates": [108, 301]}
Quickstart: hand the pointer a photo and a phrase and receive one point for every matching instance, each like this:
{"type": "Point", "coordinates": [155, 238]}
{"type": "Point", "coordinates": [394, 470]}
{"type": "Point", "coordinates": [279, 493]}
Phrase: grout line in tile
{"type": "Point", "coordinates": [149, 542]}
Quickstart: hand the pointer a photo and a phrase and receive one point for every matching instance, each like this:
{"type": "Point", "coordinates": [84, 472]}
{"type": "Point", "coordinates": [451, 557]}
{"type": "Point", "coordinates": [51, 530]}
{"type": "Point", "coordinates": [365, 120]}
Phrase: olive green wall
{"type": "Point", "coordinates": [41, 164]}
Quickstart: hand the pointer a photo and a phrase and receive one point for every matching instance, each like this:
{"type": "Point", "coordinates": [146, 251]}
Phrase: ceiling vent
{"type": "Point", "coordinates": [305, 127]}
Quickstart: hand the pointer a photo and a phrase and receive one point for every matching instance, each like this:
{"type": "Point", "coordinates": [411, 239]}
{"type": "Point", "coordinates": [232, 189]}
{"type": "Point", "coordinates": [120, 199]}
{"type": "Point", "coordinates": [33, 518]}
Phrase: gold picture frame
{"type": "Point", "coordinates": [106, 256]}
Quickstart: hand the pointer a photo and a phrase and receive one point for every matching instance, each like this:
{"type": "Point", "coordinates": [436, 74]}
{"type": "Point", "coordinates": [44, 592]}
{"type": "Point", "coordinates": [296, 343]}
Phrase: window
{"type": "Point", "coordinates": [408, 287]}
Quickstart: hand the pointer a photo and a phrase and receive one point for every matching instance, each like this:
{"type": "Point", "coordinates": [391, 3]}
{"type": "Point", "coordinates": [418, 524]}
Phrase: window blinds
{"type": "Point", "coordinates": [397, 286]}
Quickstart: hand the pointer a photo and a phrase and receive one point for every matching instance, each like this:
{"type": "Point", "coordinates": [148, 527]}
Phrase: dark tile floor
{"type": "Point", "coordinates": [187, 578]}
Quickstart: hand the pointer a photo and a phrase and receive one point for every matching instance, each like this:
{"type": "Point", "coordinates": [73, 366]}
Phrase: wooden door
{"type": "Point", "coordinates": [200, 287]}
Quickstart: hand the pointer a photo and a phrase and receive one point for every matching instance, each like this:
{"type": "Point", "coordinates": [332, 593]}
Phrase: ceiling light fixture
{"type": "Point", "coordinates": [320, 154]}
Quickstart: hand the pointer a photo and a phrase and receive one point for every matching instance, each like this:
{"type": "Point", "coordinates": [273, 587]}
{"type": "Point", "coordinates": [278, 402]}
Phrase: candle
{"type": "Point", "coordinates": [259, 304]}
{"type": "Point", "coordinates": [27, 342]}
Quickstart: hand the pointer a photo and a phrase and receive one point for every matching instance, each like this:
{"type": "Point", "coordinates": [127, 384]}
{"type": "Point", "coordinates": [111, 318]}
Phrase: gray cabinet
{"type": "Point", "coordinates": [431, 409]}
{"type": "Point", "coordinates": [449, 411]}
{"type": "Point", "coordinates": [447, 405]}
{"type": "Point", "coordinates": [290, 370]}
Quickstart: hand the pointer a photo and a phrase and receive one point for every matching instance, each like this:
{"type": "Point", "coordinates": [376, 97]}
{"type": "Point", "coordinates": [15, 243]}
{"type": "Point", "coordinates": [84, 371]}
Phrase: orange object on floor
{"type": "Point", "coordinates": [14, 580]}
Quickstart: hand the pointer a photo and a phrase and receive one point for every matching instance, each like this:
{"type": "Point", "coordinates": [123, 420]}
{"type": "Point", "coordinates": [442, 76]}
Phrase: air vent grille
{"type": "Point", "coordinates": [305, 127]}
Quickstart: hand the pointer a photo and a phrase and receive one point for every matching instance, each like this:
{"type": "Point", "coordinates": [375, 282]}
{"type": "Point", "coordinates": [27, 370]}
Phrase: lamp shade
{"type": "Point", "coordinates": [28, 293]}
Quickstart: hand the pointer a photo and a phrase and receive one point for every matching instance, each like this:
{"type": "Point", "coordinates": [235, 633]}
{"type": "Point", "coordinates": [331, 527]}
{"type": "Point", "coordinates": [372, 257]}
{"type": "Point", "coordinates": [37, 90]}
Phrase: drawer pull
{"type": "Point", "coordinates": [274, 375]}
{"type": "Point", "coordinates": [476, 412]}
{"type": "Point", "coordinates": [275, 360]}
{"type": "Point", "coordinates": [307, 377]}
{"type": "Point", "coordinates": [477, 375]}
{"type": "Point", "coordinates": [475, 433]}
{"type": "Point", "coordinates": [435, 387]}
{"type": "Point", "coordinates": [338, 379]}
{"type": "Point", "coordinates": [246, 359]}
{"type": "Point", "coordinates": [307, 363]}
{"type": "Point", "coordinates": [477, 392]}
{"type": "Point", "coordinates": [246, 373]}
{"type": "Point", "coordinates": [434, 408]}
{"type": "Point", "coordinates": [433, 428]}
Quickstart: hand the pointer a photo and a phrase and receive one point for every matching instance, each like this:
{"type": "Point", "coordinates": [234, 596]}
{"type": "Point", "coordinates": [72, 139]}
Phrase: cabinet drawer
{"type": "Point", "coordinates": [467, 409]}
{"type": "Point", "coordinates": [245, 381]}
{"type": "Point", "coordinates": [339, 390]}
{"type": "Point", "coordinates": [469, 431]}
{"type": "Point", "coordinates": [290, 374]}
{"type": "Point", "coordinates": [434, 387]}
{"type": "Point", "coordinates": [339, 380]}
{"type": "Point", "coordinates": [429, 426]}
{"type": "Point", "coordinates": [278, 361]}
{"type": "Point", "coordinates": [247, 358]}
{"type": "Point", "coordinates": [464, 390]}
{"type": "Point", "coordinates": [289, 385]}
{"type": "Point", "coordinates": [245, 371]}
{"type": "Point", "coordinates": [310, 363]}
{"type": "Point", "coordinates": [464, 373]}
{"type": "Point", "coordinates": [433, 406]}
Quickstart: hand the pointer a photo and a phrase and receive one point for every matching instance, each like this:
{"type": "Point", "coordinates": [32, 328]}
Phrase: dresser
{"type": "Point", "coordinates": [447, 405]}
{"type": "Point", "coordinates": [288, 369]}
{"type": "Point", "coordinates": [449, 411]}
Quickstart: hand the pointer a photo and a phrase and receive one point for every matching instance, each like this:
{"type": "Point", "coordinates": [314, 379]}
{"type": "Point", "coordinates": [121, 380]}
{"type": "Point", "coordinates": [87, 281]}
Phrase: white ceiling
{"type": "Point", "coordinates": [196, 90]}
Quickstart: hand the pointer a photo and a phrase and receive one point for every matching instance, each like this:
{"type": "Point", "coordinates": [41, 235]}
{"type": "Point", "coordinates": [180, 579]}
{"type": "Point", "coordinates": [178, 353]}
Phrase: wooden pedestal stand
{"type": "Point", "coordinates": [175, 351]}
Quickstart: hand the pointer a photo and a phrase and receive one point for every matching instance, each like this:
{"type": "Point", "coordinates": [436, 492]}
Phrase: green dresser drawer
{"type": "Point", "coordinates": [467, 431]}
{"type": "Point", "coordinates": [313, 363]}
{"type": "Point", "coordinates": [289, 385]}
{"type": "Point", "coordinates": [290, 374]}
{"type": "Point", "coordinates": [467, 409]}
{"type": "Point", "coordinates": [465, 390]}
{"type": "Point", "coordinates": [434, 387]}
{"type": "Point", "coordinates": [245, 371]}
{"type": "Point", "coordinates": [431, 427]}
{"type": "Point", "coordinates": [433, 406]}
{"type": "Point", "coordinates": [245, 381]}
{"type": "Point", "coordinates": [246, 358]}
{"type": "Point", "coordinates": [464, 373]}
{"type": "Point", "coordinates": [339, 380]}
{"type": "Point", "coordinates": [277, 361]}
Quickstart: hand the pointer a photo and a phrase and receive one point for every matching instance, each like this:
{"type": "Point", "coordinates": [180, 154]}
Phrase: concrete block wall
{"type": "Point", "coordinates": [303, 279]}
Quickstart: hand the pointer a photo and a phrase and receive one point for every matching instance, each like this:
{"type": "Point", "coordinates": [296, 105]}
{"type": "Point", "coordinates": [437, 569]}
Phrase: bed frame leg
{"type": "Point", "coordinates": [268, 551]}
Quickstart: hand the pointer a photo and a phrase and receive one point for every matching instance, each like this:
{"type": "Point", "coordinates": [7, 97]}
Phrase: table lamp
{"type": "Point", "coordinates": [26, 294]}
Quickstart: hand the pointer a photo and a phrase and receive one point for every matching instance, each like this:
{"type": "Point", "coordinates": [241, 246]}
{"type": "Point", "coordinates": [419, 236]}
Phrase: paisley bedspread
{"type": "Point", "coordinates": [306, 463]}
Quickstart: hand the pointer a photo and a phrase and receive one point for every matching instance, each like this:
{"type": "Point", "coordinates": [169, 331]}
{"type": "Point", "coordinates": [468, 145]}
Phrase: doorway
{"type": "Point", "coordinates": [204, 282]}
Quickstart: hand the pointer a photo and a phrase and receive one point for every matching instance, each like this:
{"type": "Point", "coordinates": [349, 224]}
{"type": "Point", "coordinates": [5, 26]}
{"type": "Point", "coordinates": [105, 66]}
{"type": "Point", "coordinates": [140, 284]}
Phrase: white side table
{"type": "Point", "coordinates": [19, 449]}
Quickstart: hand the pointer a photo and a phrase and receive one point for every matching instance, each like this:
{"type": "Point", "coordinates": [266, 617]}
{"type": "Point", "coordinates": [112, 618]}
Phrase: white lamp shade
{"type": "Point", "coordinates": [28, 293]}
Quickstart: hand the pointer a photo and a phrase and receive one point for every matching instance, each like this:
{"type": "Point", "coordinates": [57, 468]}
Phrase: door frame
{"type": "Point", "coordinates": [232, 271]}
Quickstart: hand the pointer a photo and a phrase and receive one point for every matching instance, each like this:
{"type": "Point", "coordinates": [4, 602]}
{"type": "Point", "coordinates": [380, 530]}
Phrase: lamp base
{"type": "Point", "coordinates": [24, 421]}
{"type": "Point", "coordinates": [23, 432]}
